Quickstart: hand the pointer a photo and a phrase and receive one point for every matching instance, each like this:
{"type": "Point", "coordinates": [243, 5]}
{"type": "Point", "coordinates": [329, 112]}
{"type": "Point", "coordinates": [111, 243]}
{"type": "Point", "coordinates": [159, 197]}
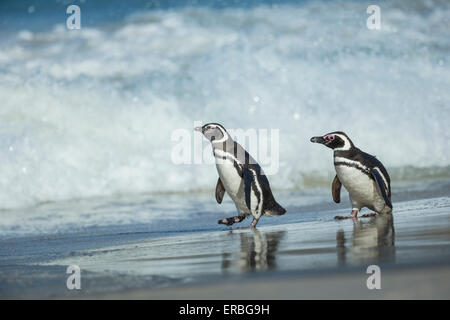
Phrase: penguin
{"type": "Point", "coordinates": [363, 175]}
{"type": "Point", "coordinates": [241, 177]}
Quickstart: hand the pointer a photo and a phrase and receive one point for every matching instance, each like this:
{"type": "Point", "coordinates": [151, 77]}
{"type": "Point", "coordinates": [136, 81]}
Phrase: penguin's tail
{"type": "Point", "coordinates": [276, 210]}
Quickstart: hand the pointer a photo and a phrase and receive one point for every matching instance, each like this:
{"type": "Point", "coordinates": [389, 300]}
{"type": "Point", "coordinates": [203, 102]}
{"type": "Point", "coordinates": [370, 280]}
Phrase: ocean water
{"type": "Point", "coordinates": [186, 251]}
{"type": "Point", "coordinates": [87, 119]}
{"type": "Point", "coordinates": [90, 113]}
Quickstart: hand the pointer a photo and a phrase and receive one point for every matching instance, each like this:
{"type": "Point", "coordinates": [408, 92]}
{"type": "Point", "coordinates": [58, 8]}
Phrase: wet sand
{"type": "Point", "coordinates": [322, 259]}
{"type": "Point", "coordinates": [301, 255]}
{"type": "Point", "coordinates": [402, 282]}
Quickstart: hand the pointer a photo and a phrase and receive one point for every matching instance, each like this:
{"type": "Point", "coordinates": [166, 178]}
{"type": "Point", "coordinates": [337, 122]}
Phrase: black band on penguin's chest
{"type": "Point", "coordinates": [358, 167]}
{"type": "Point", "coordinates": [228, 156]}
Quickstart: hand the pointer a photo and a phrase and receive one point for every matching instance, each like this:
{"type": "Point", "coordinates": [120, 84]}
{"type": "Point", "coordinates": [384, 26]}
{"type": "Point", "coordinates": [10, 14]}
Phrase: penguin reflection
{"type": "Point", "coordinates": [257, 252]}
{"type": "Point", "coordinates": [372, 241]}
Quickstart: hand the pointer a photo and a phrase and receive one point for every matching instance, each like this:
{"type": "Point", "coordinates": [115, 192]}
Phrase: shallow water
{"type": "Point", "coordinates": [419, 231]}
{"type": "Point", "coordinates": [172, 249]}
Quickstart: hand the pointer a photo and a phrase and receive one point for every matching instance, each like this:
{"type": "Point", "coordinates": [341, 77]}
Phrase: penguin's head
{"type": "Point", "coordinates": [214, 132]}
{"type": "Point", "coordinates": [337, 141]}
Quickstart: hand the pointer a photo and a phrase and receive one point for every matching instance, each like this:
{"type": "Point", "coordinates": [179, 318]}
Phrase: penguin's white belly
{"type": "Point", "coordinates": [233, 184]}
{"type": "Point", "coordinates": [362, 189]}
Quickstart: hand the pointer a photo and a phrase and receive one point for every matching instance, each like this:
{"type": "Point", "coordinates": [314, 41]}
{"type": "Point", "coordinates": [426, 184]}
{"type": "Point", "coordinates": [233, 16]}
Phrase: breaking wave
{"type": "Point", "coordinates": [90, 112]}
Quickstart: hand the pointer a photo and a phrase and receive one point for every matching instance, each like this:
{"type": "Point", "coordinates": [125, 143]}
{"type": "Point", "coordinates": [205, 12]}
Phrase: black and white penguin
{"type": "Point", "coordinates": [363, 175]}
{"type": "Point", "coordinates": [241, 177]}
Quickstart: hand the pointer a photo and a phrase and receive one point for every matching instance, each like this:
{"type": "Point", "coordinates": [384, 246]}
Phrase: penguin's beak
{"type": "Point", "coordinates": [318, 140]}
{"type": "Point", "coordinates": [199, 129]}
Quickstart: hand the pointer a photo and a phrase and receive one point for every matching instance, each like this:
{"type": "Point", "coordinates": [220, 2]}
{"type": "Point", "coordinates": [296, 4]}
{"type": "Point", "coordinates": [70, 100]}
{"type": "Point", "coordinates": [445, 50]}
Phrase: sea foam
{"type": "Point", "coordinates": [90, 112]}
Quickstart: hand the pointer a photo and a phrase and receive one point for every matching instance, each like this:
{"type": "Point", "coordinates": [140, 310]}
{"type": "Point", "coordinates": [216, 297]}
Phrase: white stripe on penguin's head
{"type": "Point", "coordinates": [347, 142]}
{"type": "Point", "coordinates": [215, 133]}
{"type": "Point", "coordinates": [338, 141]}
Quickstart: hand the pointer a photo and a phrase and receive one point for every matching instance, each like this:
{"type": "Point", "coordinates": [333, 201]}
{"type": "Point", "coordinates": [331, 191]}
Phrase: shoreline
{"type": "Point", "coordinates": [399, 282]}
{"type": "Point", "coordinates": [307, 250]}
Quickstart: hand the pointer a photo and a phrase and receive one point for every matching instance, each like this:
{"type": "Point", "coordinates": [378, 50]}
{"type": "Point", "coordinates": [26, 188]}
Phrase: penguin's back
{"type": "Point", "coordinates": [270, 206]}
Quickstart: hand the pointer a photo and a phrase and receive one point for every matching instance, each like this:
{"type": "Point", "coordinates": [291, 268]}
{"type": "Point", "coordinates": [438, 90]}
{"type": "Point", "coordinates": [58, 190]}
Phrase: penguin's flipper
{"type": "Point", "coordinates": [382, 188]}
{"type": "Point", "coordinates": [220, 191]}
{"type": "Point", "coordinates": [336, 189]}
{"type": "Point", "coordinates": [248, 180]}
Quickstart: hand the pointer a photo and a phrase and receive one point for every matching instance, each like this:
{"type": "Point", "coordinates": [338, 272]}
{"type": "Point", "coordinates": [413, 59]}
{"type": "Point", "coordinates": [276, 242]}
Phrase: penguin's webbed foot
{"type": "Point", "coordinates": [353, 215]}
{"type": "Point", "coordinates": [343, 217]}
{"type": "Point", "coordinates": [254, 223]}
{"type": "Point", "coordinates": [369, 215]}
{"type": "Point", "coordinates": [231, 221]}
